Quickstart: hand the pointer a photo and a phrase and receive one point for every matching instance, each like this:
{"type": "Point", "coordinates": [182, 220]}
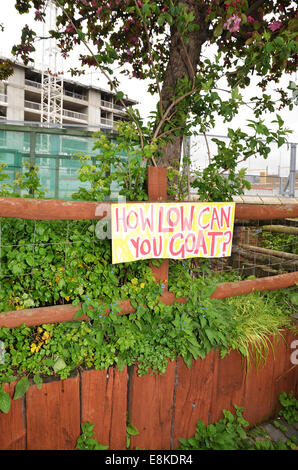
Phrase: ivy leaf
{"type": "Point", "coordinates": [38, 381]}
{"type": "Point", "coordinates": [218, 30]}
{"type": "Point", "coordinates": [131, 430]}
{"type": "Point", "coordinates": [59, 365]}
{"type": "Point", "coordinates": [4, 401]}
{"type": "Point", "coordinates": [81, 35]}
{"type": "Point", "coordinates": [294, 298]}
{"type": "Point", "coordinates": [21, 387]}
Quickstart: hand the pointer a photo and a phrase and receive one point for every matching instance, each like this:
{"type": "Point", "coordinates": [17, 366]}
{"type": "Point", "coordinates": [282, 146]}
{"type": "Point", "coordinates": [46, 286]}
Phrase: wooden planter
{"type": "Point", "coordinates": [162, 407]}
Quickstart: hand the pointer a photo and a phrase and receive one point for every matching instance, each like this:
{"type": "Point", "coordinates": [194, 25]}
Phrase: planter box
{"type": "Point", "coordinates": [163, 407]}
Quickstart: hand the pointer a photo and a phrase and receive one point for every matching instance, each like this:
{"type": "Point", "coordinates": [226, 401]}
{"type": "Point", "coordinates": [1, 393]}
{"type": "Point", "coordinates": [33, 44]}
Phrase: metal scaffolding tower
{"type": "Point", "coordinates": [52, 79]}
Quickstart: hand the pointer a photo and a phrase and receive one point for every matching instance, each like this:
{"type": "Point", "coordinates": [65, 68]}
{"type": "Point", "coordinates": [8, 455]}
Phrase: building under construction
{"type": "Point", "coordinates": [31, 96]}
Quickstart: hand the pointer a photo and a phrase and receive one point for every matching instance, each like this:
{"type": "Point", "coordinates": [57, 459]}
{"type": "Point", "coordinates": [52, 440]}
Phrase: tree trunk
{"type": "Point", "coordinates": [183, 61]}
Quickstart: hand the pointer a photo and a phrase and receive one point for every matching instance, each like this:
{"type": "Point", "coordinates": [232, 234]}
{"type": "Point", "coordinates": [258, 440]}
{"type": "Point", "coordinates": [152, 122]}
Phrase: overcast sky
{"type": "Point", "coordinates": [135, 89]}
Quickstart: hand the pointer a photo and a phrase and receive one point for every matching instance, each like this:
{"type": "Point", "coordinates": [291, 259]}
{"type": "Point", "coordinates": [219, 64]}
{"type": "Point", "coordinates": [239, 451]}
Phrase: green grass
{"type": "Point", "coordinates": [259, 316]}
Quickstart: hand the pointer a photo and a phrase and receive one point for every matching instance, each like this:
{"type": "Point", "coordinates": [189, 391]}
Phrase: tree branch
{"type": "Point", "coordinates": [174, 103]}
{"type": "Point", "coordinates": [110, 81]}
{"type": "Point", "coordinates": [151, 59]}
{"type": "Point", "coordinates": [254, 7]}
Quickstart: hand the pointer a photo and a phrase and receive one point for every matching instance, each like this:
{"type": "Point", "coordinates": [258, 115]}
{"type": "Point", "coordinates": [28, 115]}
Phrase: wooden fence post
{"type": "Point", "coordinates": [157, 192]}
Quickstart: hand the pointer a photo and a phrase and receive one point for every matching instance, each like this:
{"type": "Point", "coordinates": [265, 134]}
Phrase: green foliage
{"type": "Point", "coordinates": [26, 181]}
{"type": "Point", "coordinates": [232, 433]}
{"type": "Point", "coordinates": [280, 242]}
{"type": "Point", "coordinates": [4, 400]}
{"type": "Point", "coordinates": [151, 337]}
{"type": "Point", "coordinates": [289, 411]}
{"type": "Point", "coordinates": [257, 317]}
{"type": "Point", "coordinates": [220, 181]}
{"type": "Point", "coordinates": [29, 180]}
{"type": "Point", "coordinates": [21, 387]}
{"type": "Point", "coordinates": [226, 434]}
{"type": "Point", "coordinates": [136, 39]}
{"type": "Point", "coordinates": [87, 441]}
{"type": "Point", "coordinates": [130, 431]}
{"type": "Point", "coordinates": [119, 162]}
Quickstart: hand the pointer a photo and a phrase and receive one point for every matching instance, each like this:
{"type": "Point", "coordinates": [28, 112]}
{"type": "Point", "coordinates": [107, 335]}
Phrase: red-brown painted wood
{"type": "Point", "coordinates": [157, 184]}
{"type": "Point", "coordinates": [286, 372]}
{"type": "Point", "coordinates": [157, 191]}
{"type": "Point", "coordinates": [60, 313]}
{"type": "Point", "coordinates": [265, 211]}
{"type": "Point", "coordinates": [234, 289]}
{"type": "Point", "coordinates": [104, 404]}
{"type": "Point", "coordinates": [258, 402]}
{"type": "Point", "coordinates": [163, 408]}
{"type": "Point", "coordinates": [193, 395]}
{"type": "Point", "coordinates": [39, 316]}
{"type": "Point", "coordinates": [279, 376]}
{"type": "Point", "coordinates": [50, 209]}
{"type": "Point", "coordinates": [229, 385]}
{"type": "Point", "coordinates": [151, 406]}
{"type": "Point", "coordinates": [53, 415]}
{"type": "Point", "coordinates": [12, 424]}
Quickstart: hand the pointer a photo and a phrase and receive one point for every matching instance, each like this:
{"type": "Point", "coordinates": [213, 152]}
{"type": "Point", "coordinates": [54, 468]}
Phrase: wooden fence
{"type": "Point", "coordinates": [163, 408]}
{"type": "Point", "coordinates": [42, 209]}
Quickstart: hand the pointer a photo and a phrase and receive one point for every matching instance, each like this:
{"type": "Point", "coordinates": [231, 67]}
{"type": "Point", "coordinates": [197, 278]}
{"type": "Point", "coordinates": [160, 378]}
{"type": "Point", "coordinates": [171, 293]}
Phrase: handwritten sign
{"type": "Point", "coordinates": [171, 230]}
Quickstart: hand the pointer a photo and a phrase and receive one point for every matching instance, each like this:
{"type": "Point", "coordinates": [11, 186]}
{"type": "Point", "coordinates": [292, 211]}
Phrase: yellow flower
{"type": "Point", "coordinates": [33, 347]}
{"type": "Point", "coordinates": [39, 330]}
{"type": "Point", "coordinates": [50, 283]}
{"type": "Point", "coordinates": [67, 298]}
{"type": "Point", "coordinates": [46, 335]}
{"type": "Point", "coordinates": [142, 285]}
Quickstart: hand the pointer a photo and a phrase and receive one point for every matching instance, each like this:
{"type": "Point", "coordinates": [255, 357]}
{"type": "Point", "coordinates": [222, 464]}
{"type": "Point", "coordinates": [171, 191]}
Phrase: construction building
{"type": "Point", "coordinates": [23, 99]}
{"type": "Point", "coordinates": [48, 120]}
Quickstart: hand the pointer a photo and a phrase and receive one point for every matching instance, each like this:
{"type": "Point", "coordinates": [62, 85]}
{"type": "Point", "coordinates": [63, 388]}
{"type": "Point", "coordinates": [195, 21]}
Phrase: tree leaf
{"type": "Point", "coordinates": [131, 430]}
{"type": "Point", "coordinates": [59, 365]}
{"type": "Point", "coordinates": [4, 401]}
{"type": "Point", "coordinates": [218, 30]}
{"type": "Point", "coordinates": [21, 387]}
{"type": "Point", "coordinates": [38, 381]}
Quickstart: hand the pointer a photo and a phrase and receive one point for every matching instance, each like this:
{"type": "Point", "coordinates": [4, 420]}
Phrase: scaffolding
{"type": "Point", "coordinates": [56, 153]}
{"type": "Point", "coordinates": [51, 78]}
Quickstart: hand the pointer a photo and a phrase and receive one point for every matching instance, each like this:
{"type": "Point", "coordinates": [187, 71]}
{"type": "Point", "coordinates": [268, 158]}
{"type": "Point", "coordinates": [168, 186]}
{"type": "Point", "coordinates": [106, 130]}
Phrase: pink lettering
{"type": "Point", "coordinates": [181, 250]}
{"type": "Point", "coordinates": [147, 221]}
{"type": "Point", "coordinates": [213, 236]}
{"type": "Point", "coordinates": [145, 247]}
{"type": "Point", "coordinates": [128, 222]}
{"type": "Point", "coordinates": [135, 244]}
{"type": "Point", "coordinates": [186, 222]}
{"type": "Point", "coordinates": [118, 218]}
{"type": "Point", "coordinates": [157, 251]}
{"type": "Point", "coordinates": [224, 215]}
{"type": "Point", "coordinates": [214, 218]}
{"type": "Point", "coordinates": [207, 209]}
{"type": "Point", "coordinates": [201, 243]}
{"type": "Point", "coordinates": [192, 237]}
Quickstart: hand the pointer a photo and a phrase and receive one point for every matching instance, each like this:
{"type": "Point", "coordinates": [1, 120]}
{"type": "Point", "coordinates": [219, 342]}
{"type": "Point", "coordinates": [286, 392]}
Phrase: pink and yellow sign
{"type": "Point", "coordinates": [171, 230]}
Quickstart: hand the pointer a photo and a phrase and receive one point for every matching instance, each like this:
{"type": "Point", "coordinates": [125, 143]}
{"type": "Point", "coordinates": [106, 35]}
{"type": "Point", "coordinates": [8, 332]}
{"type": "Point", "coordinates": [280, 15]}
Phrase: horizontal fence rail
{"type": "Point", "coordinates": [62, 313]}
{"type": "Point", "coordinates": [49, 209]}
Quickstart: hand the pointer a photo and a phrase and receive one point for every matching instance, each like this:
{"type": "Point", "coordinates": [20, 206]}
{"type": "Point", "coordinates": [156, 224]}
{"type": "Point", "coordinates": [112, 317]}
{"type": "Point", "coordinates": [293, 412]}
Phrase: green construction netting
{"type": "Point", "coordinates": [54, 154]}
